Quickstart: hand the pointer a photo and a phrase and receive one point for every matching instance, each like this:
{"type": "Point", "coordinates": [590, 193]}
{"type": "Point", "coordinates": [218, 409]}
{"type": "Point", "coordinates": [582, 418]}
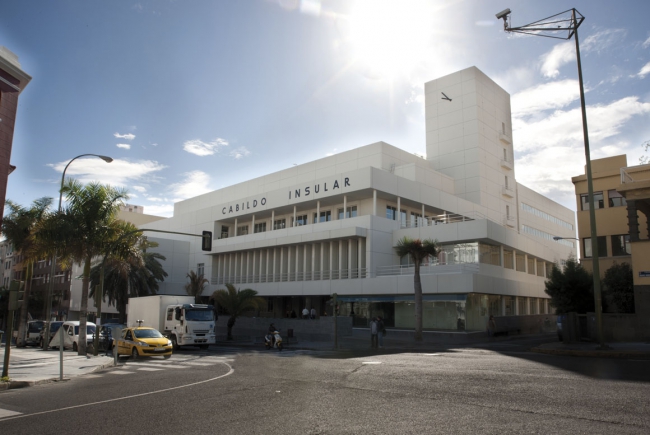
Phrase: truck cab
{"type": "Point", "coordinates": [190, 325]}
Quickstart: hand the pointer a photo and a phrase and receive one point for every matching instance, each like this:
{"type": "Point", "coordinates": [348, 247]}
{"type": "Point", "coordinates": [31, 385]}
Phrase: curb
{"type": "Point", "coordinates": [594, 353]}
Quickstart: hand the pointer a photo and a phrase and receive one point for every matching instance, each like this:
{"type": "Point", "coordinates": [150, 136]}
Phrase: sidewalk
{"type": "Point", "coordinates": [589, 349]}
{"type": "Point", "coordinates": [31, 366]}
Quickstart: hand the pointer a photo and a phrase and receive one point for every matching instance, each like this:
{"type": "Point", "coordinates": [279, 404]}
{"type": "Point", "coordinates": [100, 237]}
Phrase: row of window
{"type": "Point", "coordinates": [615, 199]}
{"type": "Point", "coordinates": [620, 246]}
{"type": "Point", "coordinates": [544, 215]}
{"type": "Point", "coordinates": [544, 235]}
{"type": "Point", "coordinates": [278, 224]}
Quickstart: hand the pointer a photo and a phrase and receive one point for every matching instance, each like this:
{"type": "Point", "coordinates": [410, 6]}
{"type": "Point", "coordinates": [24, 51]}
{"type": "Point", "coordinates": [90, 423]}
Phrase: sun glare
{"type": "Point", "coordinates": [390, 38]}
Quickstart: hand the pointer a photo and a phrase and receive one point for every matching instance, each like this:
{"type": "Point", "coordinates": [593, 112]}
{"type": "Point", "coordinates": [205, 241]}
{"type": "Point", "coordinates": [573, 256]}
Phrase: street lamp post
{"type": "Point", "coordinates": [569, 21]}
{"type": "Point", "coordinates": [50, 289]}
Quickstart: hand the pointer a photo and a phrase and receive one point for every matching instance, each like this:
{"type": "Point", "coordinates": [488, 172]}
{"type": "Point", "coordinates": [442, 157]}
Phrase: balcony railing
{"type": "Point", "coordinates": [316, 275]}
{"type": "Point", "coordinates": [434, 268]}
{"type": "Point", "coordinates": [429, 221]}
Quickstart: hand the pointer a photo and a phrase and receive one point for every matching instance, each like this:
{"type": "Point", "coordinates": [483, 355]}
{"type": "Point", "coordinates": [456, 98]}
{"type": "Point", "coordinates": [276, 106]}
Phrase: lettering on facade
{"type": "Point", "coordinates": [306, 191]}
{"type": "Point", "coordinates": [243, 206]}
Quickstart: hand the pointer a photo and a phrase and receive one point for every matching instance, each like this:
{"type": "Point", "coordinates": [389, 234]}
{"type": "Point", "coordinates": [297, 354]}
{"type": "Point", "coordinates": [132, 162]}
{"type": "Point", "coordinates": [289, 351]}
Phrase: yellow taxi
{"type": "Point", "coordinates": [142, 341]}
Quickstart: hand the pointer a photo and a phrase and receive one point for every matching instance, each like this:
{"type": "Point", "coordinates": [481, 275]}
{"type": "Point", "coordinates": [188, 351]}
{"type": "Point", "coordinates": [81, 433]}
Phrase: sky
{"type": "Point", "coordinates": [193, 96]}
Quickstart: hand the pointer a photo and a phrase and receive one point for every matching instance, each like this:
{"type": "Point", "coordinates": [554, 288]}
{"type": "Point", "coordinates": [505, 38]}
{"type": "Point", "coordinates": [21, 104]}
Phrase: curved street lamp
{"type": "Point", "coordinates": [549, 27]}
{"type": "Point", "coordinates": [50, 289]}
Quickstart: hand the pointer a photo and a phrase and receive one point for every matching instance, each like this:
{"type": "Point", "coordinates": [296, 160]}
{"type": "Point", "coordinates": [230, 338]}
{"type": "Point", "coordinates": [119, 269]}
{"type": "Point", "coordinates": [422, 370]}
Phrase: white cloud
{"type": "Point", "coordinates": [239, 153]}
{"type": "Point", "coordinates": [117, 173]}
{"type": "Point", "coordinates": [603, 39]}
{"type": "Point", "coordinates": [646, 44]}
{"type": "Point", "coordinates": [125, 146]}
{"type": "Point", "coordinates": [645, 70]}
{"type": "Point", "coordinates": [560, 54]}
{"type": "Point", "coordinates": [200, 148]}
{"type": "Point", "coordinates": [553, 95]}
{"type": "Point", "coordinates": [140, 189]}
{"type": "Point", "coordinates": [564, 128]}
{"type": "Point", "coordinates": [127, 136]}
{"type": "Point", "coordinates": [195, 183]}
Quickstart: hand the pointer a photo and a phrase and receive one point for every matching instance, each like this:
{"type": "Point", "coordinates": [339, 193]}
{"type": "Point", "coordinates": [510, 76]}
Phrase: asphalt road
{"type": "Point", "coordinates": [498, 388]}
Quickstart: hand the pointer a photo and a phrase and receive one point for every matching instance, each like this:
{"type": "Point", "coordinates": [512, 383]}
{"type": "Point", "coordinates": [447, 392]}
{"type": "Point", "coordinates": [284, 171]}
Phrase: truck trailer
{"type": "Point", "coordinates": [177, 317]}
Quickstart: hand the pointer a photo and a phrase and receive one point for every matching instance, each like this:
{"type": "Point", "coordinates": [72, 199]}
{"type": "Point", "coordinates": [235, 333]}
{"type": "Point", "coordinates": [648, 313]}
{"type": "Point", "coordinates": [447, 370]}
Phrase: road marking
{"type": "Point", "coordinates": [121, 373]}
{"type": "Point", "coordinates": [432, 354]}
{"type": "Point", "coordinates": [230, 372]}
{"type": "Point", "coordinates": [161, 364]}
{"type": "Point", "coordinates": [149, 369]}
{"type": "Point", "coordinates": [6, 413]}
{"type": "Point", "coordinates": [193, 363]}
{"type": "Point", "coordinates": [371, 362]}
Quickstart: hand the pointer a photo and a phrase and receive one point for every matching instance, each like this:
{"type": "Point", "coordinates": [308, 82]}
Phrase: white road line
{"type": "Point", "coordinates": [161, 364]}
{"type": "Point", "coordinates": [371, 362]}
{"type": "Point", "coordinates": [6, 413]}
{"type": "Point", "coordinates": [230, 372]}
{"type": "Point", "coordinates": [192, 363]}
{"type": "Point", "coordinates": [149, 369]}
{"type": "Point", "coordinates": [121, 373]}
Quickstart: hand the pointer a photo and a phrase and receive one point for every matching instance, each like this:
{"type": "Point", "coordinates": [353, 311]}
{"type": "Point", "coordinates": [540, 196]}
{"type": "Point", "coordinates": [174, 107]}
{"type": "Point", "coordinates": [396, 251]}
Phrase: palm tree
{"type": "Point", "coordinates": [417, 250]}
{"type": "Point", "coordinates": [130, 271]}
{"type": "Point", "coordinates": [196, 285]}
{"type": "Point", "coordinates": [83, 231]}
{"type": "Point", "coordinates": [19, 227]}
{"type": "Point", "coordinates": [236, 302]}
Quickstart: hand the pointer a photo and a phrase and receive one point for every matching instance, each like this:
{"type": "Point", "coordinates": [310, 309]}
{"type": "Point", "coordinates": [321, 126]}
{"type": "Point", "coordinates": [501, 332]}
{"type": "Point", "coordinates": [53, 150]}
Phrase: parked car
{"type": "Point", "coordinates": [71, 335]}
{"type": "Point", "coordinates": [34, 329]}
{"type": "Point", "coordinates": [141, 341]}
{"type": "Point", "coordinates": [54, 328]}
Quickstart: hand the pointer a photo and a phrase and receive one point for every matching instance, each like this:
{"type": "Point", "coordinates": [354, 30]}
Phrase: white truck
{"type": "Point", "coordinates": [176, 317]}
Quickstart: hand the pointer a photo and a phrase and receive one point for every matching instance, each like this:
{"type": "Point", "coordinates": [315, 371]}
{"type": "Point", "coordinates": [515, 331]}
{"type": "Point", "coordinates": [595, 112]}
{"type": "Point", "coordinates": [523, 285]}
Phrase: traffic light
{"type": "Point", "coordinates": [206, 241]}
{"type": "Point", "coordinates": [15, 295]}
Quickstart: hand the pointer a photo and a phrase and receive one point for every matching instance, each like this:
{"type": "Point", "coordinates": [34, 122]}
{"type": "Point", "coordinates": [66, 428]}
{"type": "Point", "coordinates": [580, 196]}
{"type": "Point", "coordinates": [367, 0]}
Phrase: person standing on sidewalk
{"type": "Point", "coordinates": [491, 326]}
{"type": "Point", "coordinates": [381, 331]}
{"type": "Point", "coordinates": [374, 329]}
{"type": "Point", "coordinates": [305, 313]}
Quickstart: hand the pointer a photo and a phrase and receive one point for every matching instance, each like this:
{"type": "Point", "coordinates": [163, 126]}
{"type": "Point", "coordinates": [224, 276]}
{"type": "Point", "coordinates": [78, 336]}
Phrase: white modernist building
{"type": "Point", "coordinates": [330, 226]}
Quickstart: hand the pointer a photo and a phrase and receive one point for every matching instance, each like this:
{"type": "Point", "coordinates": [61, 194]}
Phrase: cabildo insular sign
{"type": "Point", "coordinates": [293, 194]}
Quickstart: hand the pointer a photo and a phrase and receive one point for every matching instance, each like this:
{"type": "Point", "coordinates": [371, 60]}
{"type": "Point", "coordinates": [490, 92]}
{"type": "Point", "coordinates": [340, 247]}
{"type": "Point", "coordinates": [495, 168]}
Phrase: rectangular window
{"type": "Point", "coordinates": [599, 202]}
{"type": "Point", "coordinates": [200, 268]}
{"type": "Point", "coordinates": [391, 213]}
{"type": "Point", "coordinates": [533, 306]}
{"type": "Point", "coordinates": [616, 199]}
{"type": "Point", "coordinates": [351, 212]}
{"type": "Point", "coordinates": [602, 246]}
{"type": "Point", "coordinates": [506, 181]}
{"type": "Point", "coordinates": [520, 262]}
{"type": "Point", "coordinates": [269, 305]}
{"type": "Point", "coordinates": [243, 230]}
{"type": "Point", "coordinates": [224, 231]}
{"type": "Point", "coordinates": [507, 211]}
{"type": "Point", "coordinates": [259, 228]}
{"type": "Point", "coordinates": [620, 245]}
{"type": "Point", "coordinates": [523, 306]}
{"type": "Point", "coordinates": [540, 268]}
{"type": "Point", "coordinates": [325, 216]}
{"type": "Point", "coordinates": [416, 220]}
{"type": "Point", "coordinates": [279, 224]}
{"type": "Point", "coordinates": [509, 304]}
{"type": "Point", "coordinates": [301, 220]}
{"type": "Point", "coordinates": [508, 260]}
{"type": "Point", "coordinates": [489, 254]}
{"type": "Point", "coordinates": [531, 266]}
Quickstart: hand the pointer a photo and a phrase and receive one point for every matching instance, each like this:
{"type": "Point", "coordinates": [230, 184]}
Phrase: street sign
{"type": "Point", "coordinates": [644, 274]}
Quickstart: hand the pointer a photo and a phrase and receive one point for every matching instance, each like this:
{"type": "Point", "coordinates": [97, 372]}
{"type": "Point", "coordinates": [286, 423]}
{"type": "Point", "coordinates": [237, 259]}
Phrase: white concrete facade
{"type": "Point", "coordinates": [285, 234]}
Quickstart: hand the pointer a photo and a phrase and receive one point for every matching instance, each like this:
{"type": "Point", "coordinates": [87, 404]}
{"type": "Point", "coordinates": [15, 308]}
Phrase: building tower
{"type": "Point", "coordinates": [469, 138]}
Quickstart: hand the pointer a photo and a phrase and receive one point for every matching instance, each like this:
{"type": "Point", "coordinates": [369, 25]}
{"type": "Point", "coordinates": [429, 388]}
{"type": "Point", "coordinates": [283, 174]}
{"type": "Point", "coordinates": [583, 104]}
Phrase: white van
{"type": "Point", "coordinates": [71, 335]}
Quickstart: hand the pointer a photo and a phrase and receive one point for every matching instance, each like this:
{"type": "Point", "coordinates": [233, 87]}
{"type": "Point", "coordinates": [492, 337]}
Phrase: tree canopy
{"type": "Point", "coordinates": [618, 289]}
{"type": "Point", "coordinates": [237, 302]}
{"type": "Point", "coordinates": [571, 288]}
{"type": "Point", "coordinates": [196, 285]}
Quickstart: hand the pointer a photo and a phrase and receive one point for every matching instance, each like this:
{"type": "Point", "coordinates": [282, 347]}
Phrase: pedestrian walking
{"type": "Point", "coordinates": [305, 313]}
{"type": "Point", "coordinates": [313, 313]}
{"type": "Point", "coordinates": [381, 331]}
{"type": "Point", "coordinates": [491, 326]}
{"type": "Point", "coordinates": [374, 329]}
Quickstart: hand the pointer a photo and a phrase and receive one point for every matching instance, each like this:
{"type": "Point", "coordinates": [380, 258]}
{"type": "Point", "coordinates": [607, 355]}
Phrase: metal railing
{"type": "Point", "coordinates": [435, 268]}
{"type": "Point", "coordinates": [640, 174]}
{"type": "Point", "coordinates": [447, 218]}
